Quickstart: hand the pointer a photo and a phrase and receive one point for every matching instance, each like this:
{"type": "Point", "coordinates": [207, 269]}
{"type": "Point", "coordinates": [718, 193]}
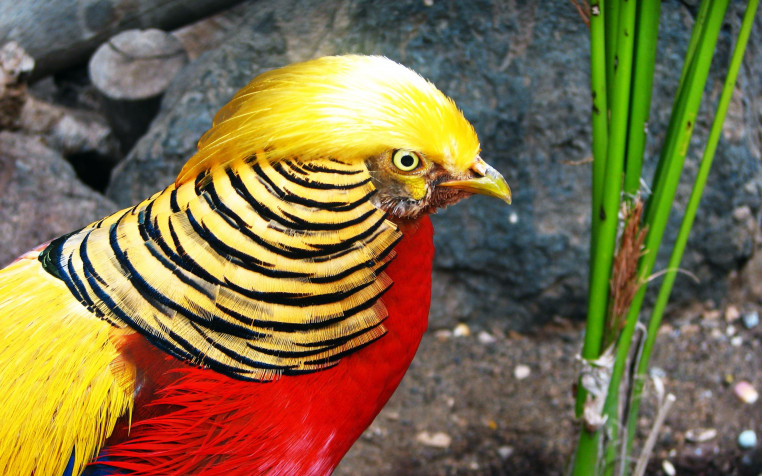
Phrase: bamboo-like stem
{"type": "Point", "coordinates": [682, 121]}
{"type": "Point", "coordinates": [603, 255]}
{"type": "Point", "coordinates": [600, 143]}
{"type": "Point", "coordinates": [611, 14]}
{"type": "Point", "coordinates": [690, 213]}
{"type": "Point", "coordinates": [646, 35]}
{"type": "Point", "coordinates": [677, 105]}
{"type": "Point", "coordinates": [600, 106]}
{"type": "Point", "coordinates": [642, 86]}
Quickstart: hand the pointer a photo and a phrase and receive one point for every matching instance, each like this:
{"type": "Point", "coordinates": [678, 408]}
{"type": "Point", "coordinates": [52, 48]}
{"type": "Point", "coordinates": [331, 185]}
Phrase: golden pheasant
{"type": "Point", "coordinates": [256, 315]}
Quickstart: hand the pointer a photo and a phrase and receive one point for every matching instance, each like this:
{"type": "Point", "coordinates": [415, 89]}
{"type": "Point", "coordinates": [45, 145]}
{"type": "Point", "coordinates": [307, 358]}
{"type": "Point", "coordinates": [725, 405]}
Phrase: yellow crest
{"type": "Point", "coordinates": [343, 107]}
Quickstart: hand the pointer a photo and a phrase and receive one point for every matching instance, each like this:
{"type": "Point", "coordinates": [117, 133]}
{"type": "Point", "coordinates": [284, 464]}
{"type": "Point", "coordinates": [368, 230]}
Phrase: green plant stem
{"type": "Point", "coordinates": [611, 15]}
{"type": "Point", "coordinates": [600, 141]}
{"type": "Point", "coordinates": [600, 106]}
{"type": "Point", "coordinates": [642, 86]}
{"type": "Point", "coordinates": [646, 35]}
{"type": "Point", "coordinates": [608, 214]}
{"type": "Point", "coordinates": [690, 213]}
{"type": "Point", "coordinates": [682, 121]}
{"type": "Point", "coordinates": [671, 134]}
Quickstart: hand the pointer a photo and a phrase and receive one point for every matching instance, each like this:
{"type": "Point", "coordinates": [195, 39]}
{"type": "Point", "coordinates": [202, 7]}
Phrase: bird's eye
{"type": "Point", "coordinates": [406, 160]}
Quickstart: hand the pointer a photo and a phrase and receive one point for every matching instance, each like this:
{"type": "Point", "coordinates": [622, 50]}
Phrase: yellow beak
{"type": "Point", "coordinates": [487, 181]}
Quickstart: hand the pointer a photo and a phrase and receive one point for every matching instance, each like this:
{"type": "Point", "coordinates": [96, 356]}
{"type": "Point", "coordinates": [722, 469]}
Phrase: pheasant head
{"type": "Point", "coordinates": [421, 152]}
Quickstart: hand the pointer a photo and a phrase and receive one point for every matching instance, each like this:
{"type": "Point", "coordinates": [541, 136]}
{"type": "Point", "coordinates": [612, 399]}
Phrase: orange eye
{"type": "Point", "coordinates": [406, 160]}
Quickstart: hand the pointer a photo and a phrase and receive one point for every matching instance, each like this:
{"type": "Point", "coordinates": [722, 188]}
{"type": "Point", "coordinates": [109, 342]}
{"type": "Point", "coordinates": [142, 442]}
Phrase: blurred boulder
{"type": "Point", "coordinates": [62, 34]}
{"type": "Point", "coordinates": [15, 66]}
{"type": "Point", "coordinates": [519, 71]}
{"type": "Point", "coordinates": [131, 71]}
{"type": "Point", "coordinates": [40, 196]}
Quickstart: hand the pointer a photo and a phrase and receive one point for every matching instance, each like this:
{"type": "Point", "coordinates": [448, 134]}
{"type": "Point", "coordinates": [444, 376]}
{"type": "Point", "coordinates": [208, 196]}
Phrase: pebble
{"type": "Point", "coordinates": [746, 392]}
{"type": "Point", "coordinates": [736, 341]}
{"type": "Point", "coordinates": [700, 435]}
{"type": "Point", "coordinates": [730, 330]}
{"type": "Point", "coordinates": [657, 372]}
{"type": "Point", "coordinates": [712, 314]}
{"type": "Point", "coordinates": [443, 334]}
{"type": "Point", "coordinates": [439, 439]}
{"type": "Point", "coordinates": [669, 468]}
{"type": "Point", "coordinates": [486, 338]}
{"type": "Point", "coordinates": [750, 319]}
{"type": "Point", "coordinates": [505, 452]}
{"type": "Point", "coordinates": [747, 439]}
{"type": "Point", "coordinates": [461, 330]}
{"type": "Point", "coordinates": [521, 371]}
{"type": "Point", "coordinates": [732, 313]}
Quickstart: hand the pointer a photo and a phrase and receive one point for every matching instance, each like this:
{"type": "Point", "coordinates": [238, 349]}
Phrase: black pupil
{"type": "Point", "coordinates": [407, 161]}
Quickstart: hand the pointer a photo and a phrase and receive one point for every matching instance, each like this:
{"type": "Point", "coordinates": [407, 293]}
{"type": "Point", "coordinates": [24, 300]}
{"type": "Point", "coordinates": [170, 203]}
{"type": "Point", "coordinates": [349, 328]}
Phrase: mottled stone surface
{"type": "Point", "coordinates": [62, 34]}
{"type": "Point", "coordinates": [40, 196]}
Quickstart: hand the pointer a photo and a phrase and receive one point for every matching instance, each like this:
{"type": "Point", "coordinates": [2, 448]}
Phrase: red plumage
{"type": "Point", "coordinates": [204, 422]}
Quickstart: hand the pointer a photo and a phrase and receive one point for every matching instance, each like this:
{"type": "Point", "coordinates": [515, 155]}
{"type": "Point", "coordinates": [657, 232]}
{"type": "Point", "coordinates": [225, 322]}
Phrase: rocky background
{"type": "Point", "coordinates": [519, 71]}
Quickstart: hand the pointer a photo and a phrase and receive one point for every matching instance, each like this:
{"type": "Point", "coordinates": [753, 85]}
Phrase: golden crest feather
{"type": "Point", "coordinates": [344, 107]}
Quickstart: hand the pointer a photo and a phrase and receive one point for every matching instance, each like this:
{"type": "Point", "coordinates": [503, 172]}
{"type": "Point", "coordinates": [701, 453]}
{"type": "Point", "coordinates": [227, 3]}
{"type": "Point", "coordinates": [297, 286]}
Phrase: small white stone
{"type": "Point", "coordinates": [443, 334]}
{"type": "Point", "coordinates": [746, 392]}
{"type": "Point", "coordinates": [747, 439]}
{"type": "Point", "coordinates": [513, 218]}
{"type": "Point", "coordinates": [736, 341]}
{"type": "Point", "coordinates": [700, 435]}
{"type": "Point", "coordinates": [751, 319]}
{"type": "Point", "coordinates": [461, 330]}
{"type": "Point", "coordinates": [438, 439]}
{"type": "Point", "coordinates": [668, 468]}
{"type": "Point", "coordinates": [732, 313]}
{"type": "Point", "coordinates": [730, 330]}
{"type": "Point", "coordinates": [486, 338]}
{"type": "Point", "coordinates": [521, 371]}
{"type": "Point", "coordinates": [505, 452]}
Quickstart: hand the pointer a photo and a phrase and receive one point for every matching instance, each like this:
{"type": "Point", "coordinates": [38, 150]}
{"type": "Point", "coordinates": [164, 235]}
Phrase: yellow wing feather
{"type": "Point", "coordinates": [64, 383]}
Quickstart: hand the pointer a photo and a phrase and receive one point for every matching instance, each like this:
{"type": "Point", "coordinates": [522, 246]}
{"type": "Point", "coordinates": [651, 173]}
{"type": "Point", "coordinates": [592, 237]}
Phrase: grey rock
{"type": "Point", "coordinates": [40, 196]}
{"type": "Point", "coordinates": [137, 64]}
{"type": "Point", "coordinates": [519, 71]}
{"type": "Point", "coordinates": [69, 131]}
{"type": "Point", "coordinates": [15, 65]}
{"type": "Point", "coordinates": [61, 34]}
{"type": "Point", "coordinates": [131, 71]}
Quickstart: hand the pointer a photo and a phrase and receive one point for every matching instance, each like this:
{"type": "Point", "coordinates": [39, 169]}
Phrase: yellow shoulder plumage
{"type": "Point", "coordinates": [64, 382]}
{"type": "Point", "coordinates": [360, 106]}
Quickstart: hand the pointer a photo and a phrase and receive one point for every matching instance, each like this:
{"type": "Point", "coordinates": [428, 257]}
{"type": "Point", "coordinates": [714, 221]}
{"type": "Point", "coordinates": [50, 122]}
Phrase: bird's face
{"type": "Point", "coordinates": [421, 151]}
{"type": "Point", "coordinates": [409, 184]}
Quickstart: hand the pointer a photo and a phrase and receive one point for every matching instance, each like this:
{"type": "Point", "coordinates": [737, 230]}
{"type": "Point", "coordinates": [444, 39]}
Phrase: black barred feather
{"type": "Point", "coordinates": [255, 270]}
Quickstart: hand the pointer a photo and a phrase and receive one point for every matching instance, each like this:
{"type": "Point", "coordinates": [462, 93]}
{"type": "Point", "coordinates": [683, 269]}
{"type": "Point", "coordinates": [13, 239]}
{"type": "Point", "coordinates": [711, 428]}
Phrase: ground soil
{"type": "Point", "coordinates": [479, 419]}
